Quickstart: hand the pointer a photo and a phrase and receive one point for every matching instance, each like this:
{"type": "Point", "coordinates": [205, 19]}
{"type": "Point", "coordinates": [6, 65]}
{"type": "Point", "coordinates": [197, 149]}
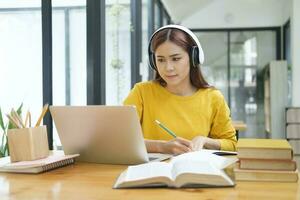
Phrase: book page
{"type": "Point", "coordinates": [201, 167]}
{"type": "Point", "coordinates": [194, 167]}
{"type": "Point", "coordinates": [148, 170]}
{"type": "Point", "coordinates": [204, 155]}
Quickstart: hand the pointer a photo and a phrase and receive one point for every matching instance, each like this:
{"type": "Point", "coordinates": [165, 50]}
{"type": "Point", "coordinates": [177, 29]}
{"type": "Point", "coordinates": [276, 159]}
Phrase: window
{"type": "Point", "coordinates": [235, 67]}
{"type": "Point", "coordinates": [69, 54]}
{"type": "Point", "coordinates": [215, 68]}
{"type": "Point", "coordinates": [250, 52]}
{"type": "Point", "coordinates": [145, 41]}
{"type": "Point", "coordinates": [21, 56]}
{"type": "Point", "coordinates": [157, 15]}
{"type": "Point", "coordinates": [118, 65]}
{"type": "Point", "coordinates": [165, 18]}
{"type": "Point", "coordinates": [287, 57]}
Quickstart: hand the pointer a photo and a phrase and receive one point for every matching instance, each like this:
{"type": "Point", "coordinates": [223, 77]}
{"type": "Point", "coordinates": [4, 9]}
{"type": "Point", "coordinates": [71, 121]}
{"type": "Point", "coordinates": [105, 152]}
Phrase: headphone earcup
{"type": "Point", "coordinates": [152, 61]}
{"type": "Point", "coordinates": [195, 56]}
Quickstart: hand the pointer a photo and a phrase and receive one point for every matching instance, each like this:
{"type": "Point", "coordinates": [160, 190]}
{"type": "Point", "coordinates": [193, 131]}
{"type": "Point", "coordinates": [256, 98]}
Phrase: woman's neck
{"type": "Point", "coordinates": [183, 90]}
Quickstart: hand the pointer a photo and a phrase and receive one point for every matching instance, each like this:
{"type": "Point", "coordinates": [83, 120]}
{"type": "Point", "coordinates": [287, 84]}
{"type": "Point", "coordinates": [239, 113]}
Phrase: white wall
{"type": "Point", "coordinates": [295, 45]}
{"type": "Point", "coordinates": [241, 13]}
{"type": "Point", "coordinates": [286, 11]}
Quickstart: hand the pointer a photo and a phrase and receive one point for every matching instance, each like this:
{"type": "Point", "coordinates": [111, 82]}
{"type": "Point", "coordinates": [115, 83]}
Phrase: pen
{"type": "Point", "coordinates": [166, 129]}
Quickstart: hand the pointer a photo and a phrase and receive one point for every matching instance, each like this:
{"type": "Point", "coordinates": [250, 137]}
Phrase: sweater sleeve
{"type": "Point", "coordinates": [135, 98]}
{"type": "Point", "coordinates": [222, 128]}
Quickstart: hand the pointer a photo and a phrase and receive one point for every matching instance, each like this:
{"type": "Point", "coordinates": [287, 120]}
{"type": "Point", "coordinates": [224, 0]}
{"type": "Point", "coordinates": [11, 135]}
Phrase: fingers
{"type": "Point", "coordinates": [181, 145]}
{"type": "Point", "coordinates": [179, 149]}
{"type": "Point", "coordinates": [198, 143]}
{"type": "Point", "coordinates": [197, 146]}
{"type": "Point", "coordinates": [177, 146]}
{"type": "Point", "coordinates": [184, 142]}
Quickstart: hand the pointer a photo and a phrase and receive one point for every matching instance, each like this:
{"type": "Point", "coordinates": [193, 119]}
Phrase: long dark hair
{"type": "Point", "coordinates": [183, 40]}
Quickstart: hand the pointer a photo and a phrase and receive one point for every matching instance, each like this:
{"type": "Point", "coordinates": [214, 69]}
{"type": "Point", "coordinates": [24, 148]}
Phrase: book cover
{"type": "Point", "coordinates": [194, 169]}
{"type": "Point", "coordinates": [264, 149]}
{"type": "Point", "coordinates": [53, 161]}
{"type": "Point", "coordinates": [265, 175]}
{"type": "Point", "coordinates": [268, 164]}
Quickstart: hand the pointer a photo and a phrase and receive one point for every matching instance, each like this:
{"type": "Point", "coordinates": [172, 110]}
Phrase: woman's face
{"type": "Point", "coordinates": [173, 64]}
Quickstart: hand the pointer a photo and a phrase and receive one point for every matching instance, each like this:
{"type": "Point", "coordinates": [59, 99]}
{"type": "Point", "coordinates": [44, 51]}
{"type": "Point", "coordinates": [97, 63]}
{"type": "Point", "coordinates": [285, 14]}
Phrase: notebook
{"type": "Point", "coordinates": [37, 166]}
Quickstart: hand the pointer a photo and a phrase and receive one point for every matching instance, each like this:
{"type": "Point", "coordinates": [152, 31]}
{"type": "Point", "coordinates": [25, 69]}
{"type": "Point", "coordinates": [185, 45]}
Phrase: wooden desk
{"type": "Point", "coordinates": [92, 181]}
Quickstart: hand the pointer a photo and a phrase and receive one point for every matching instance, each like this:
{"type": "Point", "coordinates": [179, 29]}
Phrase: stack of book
{"type": "Point", "coordinates": [265, 160]}
{"type": "Point", "coordinates": [293, 128]}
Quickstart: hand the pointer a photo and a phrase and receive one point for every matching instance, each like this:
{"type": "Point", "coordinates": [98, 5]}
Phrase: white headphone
{"type": "Point", "coordinates": [197, 55]}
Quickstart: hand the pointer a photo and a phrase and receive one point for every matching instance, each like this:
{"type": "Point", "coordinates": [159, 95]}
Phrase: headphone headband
{"type": "Point", "coordinates": [184, 29]}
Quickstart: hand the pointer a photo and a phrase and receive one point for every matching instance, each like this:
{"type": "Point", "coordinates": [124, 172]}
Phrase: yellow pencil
{"type": "Point", "coordinates": [27, 118]}
{"type": "Point", "coordinates": [44, 111]}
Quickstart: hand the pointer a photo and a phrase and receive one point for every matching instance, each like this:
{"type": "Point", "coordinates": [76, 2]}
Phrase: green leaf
{"type": "Point", "coordinates": [11, 125]}
{"type": "Point", "coordinates": [5, 132]}
{"type": "Point", "coordinates": [1, 121]}
{"type": "Point", "coordinates": [19, 110]}
{"type": "Point", "coordinates": [6, 149]}
{"type": "Point", "coordinates": [2, 152]}
{"type": "Point", "coordinates": [2, 141]}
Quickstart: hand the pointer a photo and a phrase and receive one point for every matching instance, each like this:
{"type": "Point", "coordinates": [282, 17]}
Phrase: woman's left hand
{"type": "Point", "coordinates": [198, 143]}
{"type": "Point", "coordinates": [201, 142]}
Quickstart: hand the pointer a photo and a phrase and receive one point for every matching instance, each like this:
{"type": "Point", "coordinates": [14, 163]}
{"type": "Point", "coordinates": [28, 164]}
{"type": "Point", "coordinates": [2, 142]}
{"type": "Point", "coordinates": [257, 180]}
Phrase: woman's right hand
{"type": "Point", "coordinates": [176, 146]}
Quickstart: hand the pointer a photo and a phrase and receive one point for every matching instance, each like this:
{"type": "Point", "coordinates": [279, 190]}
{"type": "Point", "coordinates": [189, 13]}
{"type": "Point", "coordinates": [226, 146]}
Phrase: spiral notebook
{"type": "Point", "coordinates": [53, 161]}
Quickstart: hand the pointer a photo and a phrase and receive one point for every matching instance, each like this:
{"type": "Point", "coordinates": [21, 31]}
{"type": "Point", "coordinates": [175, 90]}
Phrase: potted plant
{"type": "Point", "coordinates": [4, 151]}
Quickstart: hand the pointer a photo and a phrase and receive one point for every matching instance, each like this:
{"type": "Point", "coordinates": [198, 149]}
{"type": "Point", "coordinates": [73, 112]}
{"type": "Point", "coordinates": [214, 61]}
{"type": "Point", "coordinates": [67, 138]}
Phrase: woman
{"type": "Point", "coordinates": [180, 98]}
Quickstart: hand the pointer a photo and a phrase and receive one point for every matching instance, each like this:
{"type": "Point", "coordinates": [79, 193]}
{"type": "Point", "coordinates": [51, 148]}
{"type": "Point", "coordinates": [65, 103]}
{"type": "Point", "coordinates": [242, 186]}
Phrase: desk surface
{"type": "Point", "coordinates": [94, 181]}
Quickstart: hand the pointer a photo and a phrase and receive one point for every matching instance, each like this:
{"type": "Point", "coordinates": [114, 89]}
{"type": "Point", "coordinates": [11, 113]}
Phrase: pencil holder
{"type": "Point", "coordinates": [27, 144]}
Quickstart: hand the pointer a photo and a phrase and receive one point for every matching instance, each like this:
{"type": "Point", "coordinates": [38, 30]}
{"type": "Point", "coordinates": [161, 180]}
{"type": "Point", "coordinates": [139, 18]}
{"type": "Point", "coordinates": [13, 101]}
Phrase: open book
{"type": "Point", "coordinates": [194, 169]}
{"type": "Point", "coordinates": [56, 160]}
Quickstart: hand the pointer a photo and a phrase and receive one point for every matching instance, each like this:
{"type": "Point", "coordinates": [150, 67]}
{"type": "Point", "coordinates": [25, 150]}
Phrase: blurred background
{"type": "Point", "coordinates": [90, 52]}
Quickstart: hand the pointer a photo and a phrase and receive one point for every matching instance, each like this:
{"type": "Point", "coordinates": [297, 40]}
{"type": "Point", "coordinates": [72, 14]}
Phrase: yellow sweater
{"type": "Point", "coordinates": [203, 113]}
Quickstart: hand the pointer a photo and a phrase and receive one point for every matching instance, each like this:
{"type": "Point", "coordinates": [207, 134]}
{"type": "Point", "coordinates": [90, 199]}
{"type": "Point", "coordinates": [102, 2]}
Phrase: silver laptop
{"type": "Point", "coordinates": [102, 134]}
